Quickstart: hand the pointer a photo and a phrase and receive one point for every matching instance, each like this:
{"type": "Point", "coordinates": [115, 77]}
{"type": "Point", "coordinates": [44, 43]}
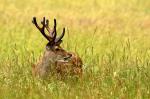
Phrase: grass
{"type": "Point", "coordinates": [111, 36]}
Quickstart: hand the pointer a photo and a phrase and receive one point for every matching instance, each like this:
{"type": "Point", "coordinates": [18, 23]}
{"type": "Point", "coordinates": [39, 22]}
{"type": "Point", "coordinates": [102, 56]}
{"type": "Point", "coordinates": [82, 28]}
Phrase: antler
{"type": "Point", "coordinates": [52, 33]}
{"type": "Point", "coordinates": [41, 29]}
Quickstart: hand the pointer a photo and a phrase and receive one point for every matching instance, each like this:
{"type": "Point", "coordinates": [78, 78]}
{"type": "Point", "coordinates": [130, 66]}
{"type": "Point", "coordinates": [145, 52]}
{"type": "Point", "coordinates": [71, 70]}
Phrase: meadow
{"type": "Point", "coordinates": [111, 36]}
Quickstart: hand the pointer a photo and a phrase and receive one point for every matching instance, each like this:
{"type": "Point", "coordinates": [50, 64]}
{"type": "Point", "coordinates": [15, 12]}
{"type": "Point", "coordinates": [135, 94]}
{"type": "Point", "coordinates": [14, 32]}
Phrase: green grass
{"type": "Point", "coordinates": [111, 36]}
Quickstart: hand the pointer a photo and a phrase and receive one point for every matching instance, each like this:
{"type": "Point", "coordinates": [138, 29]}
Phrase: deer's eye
{"type": "Point", "coordinates": [57, 48]}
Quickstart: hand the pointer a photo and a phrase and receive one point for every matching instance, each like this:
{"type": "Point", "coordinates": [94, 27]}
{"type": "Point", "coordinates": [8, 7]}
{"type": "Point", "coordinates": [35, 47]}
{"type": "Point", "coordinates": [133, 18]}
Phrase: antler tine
{"type": "Point", "coordinates": [42, 28]}
{"type": "Point", "coordinates": [48, 28]}
{"type": "Point", "coordinates": [61, 36]}
{"type": "Point", "coordinates": [55, 31]}
{"type": "Point", "coordinates": [35, 23]}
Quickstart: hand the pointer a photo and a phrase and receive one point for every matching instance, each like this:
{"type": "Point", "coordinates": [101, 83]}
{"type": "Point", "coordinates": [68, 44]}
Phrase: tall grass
{"type": "Point", "coordinates": [111, 36]}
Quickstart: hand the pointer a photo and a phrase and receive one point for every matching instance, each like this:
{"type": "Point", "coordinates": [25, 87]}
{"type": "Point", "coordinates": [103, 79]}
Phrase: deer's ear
{"type": "Point", "coordinates": [59, 42]}
{"type": "Point", "coordinates": [48, 46]}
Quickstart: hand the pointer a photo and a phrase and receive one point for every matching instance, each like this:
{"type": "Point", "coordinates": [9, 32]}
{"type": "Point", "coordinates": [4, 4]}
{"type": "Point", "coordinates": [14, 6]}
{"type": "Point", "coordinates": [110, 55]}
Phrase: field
{"type": "Point", "coordinates": [111, 36]}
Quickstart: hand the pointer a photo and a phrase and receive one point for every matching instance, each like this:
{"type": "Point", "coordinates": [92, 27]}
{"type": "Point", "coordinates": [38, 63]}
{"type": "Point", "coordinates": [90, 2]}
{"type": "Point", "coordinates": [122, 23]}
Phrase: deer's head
{"type": "Point", "coordinates": [53, 46]}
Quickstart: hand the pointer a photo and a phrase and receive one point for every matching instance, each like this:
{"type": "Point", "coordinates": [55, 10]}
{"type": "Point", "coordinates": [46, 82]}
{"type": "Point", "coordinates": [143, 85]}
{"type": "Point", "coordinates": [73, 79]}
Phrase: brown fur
{"type": "Point", "coordinates": [71, 67]}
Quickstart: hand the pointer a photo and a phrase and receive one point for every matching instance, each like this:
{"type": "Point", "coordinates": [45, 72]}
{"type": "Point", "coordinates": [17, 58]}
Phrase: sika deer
{"type": "Point", "coordinates": [55, 59]}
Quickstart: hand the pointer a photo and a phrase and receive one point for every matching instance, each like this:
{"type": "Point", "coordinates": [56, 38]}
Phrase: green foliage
{"type": "Point", "coordinates": [111, 36]}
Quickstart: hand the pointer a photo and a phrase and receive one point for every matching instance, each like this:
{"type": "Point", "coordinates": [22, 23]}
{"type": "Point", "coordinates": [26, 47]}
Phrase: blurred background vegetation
{"type": "Point", "coordinates": [111, 36]}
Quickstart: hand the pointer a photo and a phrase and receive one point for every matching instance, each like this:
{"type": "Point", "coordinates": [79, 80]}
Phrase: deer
{"type": "Point", "coordinates": [55, 59]}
